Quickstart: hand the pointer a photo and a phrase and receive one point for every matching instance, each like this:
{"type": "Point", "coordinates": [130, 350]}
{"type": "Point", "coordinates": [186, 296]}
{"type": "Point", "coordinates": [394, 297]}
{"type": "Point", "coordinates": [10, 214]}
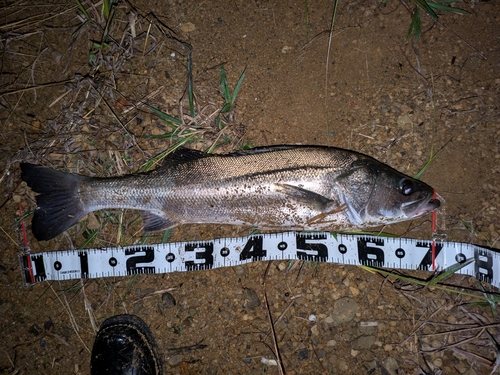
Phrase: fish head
{"type": "Point", "coordinates": [380, 194]}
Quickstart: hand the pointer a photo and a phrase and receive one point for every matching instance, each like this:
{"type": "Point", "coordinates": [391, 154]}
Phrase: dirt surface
{"type": "Point", "coordinates": [371, 91]}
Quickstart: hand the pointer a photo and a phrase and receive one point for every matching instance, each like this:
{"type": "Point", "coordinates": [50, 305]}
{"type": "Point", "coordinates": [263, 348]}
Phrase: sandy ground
{"type": "Point", "coordinates": [361, 86]}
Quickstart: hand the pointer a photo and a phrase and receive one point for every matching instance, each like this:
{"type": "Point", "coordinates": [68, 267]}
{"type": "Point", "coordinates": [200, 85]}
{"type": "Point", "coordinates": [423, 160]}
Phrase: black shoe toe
{"type": "Point", "coordinates": [125, 345]}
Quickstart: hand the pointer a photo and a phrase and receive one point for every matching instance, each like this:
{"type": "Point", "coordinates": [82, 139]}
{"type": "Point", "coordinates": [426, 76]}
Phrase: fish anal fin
{"type": "Point", "coordinates": [155, 223]}
{"type": "Point", "coordinates": [308, 198]}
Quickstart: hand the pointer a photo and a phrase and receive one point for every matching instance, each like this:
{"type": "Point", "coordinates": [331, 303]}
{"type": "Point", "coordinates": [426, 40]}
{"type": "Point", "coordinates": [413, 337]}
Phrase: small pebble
{"type": "Point", "coordinates": [251, 297]}
{"type": "Point", "coordinates": [438, 362]}
{"type": "Point", "coordinates": [331, 343]}
{"type": "Point", "coordinates": [188, 322]}
{"type": "Point", "coordinates": [48, 325]}
{"type": "Point", "coordinates": [187, 27]}
{"type": "Point", "coordinates": [303, 354]}
{"type": "Point", "coordinates": [363, 342]}
{"type": "Point", "coordinates": [137, 307]}
{"type": "Point", "coordinates": [240, 271]}
{"type": "Point", "coordinates": [391, 365]}
{"type": "Point", "coordinates": [175, 360]}
{"type": "Point", "coordinates": [344, 310]}
{"type": "Point", "coordinates": [35, 330]}
{"type": "Point", "coordinates": [269, 362]}
{"type": "Point", "coordinates": [168, 300]}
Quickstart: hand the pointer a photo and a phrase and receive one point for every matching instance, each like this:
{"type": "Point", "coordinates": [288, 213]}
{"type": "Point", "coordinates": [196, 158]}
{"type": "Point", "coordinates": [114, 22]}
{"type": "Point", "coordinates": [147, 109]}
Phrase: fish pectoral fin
{"type": "Point", "coordinates": [320, 218]}
{"type": "Point", "coordinates": [154, 222]}
{"type": "Point", "coordinates": [308, 198]}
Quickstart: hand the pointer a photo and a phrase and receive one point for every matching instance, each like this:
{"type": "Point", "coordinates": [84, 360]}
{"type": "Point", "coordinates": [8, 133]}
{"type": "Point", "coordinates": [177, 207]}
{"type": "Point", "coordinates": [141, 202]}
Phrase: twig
{"type": "Point", "coordinates": [149, 295]}
{"type": "Point", "coordinates": [328, 63]}
{"type": "Point", "coordinates": [43, 85]}
{"type": "Point", "coordinates": [420, 326]}
{"type": "Point", "coordinates": [88, 306]}
{"type": "Point", "coordinates": [277, 354]}
{"type": "Point", "coordinates": [293, 298]}
{"type": "Point", "coordinates": [71, 316]}
{"type": "Point", "coordinates": [475, 337]}
{"type": "Point", "coordinates": [481, 119]}
{"type": "Point", "coordinates": [317, 357]}
{"type": "Point", "coordinates": [492, 325]}
{"type": "Point", "coordinates": [462, 39]}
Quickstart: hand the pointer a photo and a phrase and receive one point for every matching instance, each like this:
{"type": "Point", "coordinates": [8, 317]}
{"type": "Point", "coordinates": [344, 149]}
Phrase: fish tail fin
{"type": "Point", "coordinates": [58, 206]}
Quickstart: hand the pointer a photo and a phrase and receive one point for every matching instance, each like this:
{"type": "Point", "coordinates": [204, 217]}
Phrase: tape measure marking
{"type": "Point", "coordinates": [402, 253]}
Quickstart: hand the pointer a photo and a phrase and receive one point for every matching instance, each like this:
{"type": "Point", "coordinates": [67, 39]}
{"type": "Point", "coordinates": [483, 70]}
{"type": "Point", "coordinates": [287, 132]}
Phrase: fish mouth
{"type": "Point", "coordinates": [414, 210]}
{"type": "Point", "coordinates": [427, 207]}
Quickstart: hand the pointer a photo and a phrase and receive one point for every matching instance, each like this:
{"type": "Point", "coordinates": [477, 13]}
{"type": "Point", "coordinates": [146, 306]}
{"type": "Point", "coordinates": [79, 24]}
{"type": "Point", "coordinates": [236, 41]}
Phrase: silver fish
{"type": "Point", "coordinates": [274, 188]}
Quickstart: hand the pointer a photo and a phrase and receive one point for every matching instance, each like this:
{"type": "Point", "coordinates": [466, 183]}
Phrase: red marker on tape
{"type": "Point", "coordinates": [25, 257]}
{"type": "Point", "coordinates": [434, 229]}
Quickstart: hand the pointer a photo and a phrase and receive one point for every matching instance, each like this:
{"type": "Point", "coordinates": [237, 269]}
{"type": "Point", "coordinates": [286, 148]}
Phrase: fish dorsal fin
{"type": "Point", "coordinates": [182, 155]}
{"type": "Point", "coordinates": [261, 150]}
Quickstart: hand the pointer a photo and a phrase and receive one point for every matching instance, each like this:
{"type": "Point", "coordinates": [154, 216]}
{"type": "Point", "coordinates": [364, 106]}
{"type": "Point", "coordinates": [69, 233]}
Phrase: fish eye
{"type": "Point", "coordinates": [406, 187]}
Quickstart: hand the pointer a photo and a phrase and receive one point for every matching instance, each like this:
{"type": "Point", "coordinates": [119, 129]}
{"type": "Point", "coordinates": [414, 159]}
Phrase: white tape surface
{"type": "Point", "coordinates": [384, 252]}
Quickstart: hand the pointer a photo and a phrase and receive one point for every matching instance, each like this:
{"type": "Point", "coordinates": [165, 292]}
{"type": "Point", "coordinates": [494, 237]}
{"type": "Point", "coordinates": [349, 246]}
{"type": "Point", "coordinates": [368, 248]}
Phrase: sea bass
{"type": "Point", "coordinates": [273, 188]}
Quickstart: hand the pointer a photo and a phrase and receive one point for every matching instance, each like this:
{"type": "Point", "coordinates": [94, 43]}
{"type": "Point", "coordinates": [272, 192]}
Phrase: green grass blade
{"type": "Point", "coordinates": [489, 301]}
{"type": "Point", "coordinates": [450, 271]}
{"type": "Point", "coordinates": [109, 22]}
{"type": "Point", "coordinates": [238, 85]}
{"type": "Point", "coordinates": [82, 9]}
{"type": "Point", "coordinates": [106, 8]}
{"type": "Point", "coordinates": [229, 99]}
{"type": "Point", "coordinates": [226, 108]}
{"type": "Point", "coordinates": [192, 111]}
{"type": "Point", "coordinates": [430, 161]}
{"type": "Point", "coordinates": [368, 233]}
{"type": "Point", "coordinates": [164, 116]}
{"type": "Point", "coordinates": [157, 159]}
{"type": "Point", "coordinates": [425, 283]}
{"type": "Point", "coordinates": [92, 236]}
{"type": "Point", "coordinates": [414, 29]}
{"type": "Point", "coordinates": [427, 9]}
{"type": "Point", "coordinates": [146, 237]}
{"type": "Point", "coordinates": [400, 277]}
{"type": "Point", "coordinates": [212, 148]}
{"type": "Point", "coordinates": [172, 136]}
{"type": "Point", "coordinates": [445, 8]}
{"type": "Point", "coordinates": [226, 92]}
{"type": "Point", "coordinates": [166, 235]}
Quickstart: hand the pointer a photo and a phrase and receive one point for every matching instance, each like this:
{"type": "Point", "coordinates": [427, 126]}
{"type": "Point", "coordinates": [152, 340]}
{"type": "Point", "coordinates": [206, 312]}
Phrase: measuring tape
{"type": "Point", "coordinates": [404, 253]}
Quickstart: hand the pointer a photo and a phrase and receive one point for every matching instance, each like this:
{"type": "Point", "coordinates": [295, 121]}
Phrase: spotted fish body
{"type": "Point", "coordinates": [275, 188]}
